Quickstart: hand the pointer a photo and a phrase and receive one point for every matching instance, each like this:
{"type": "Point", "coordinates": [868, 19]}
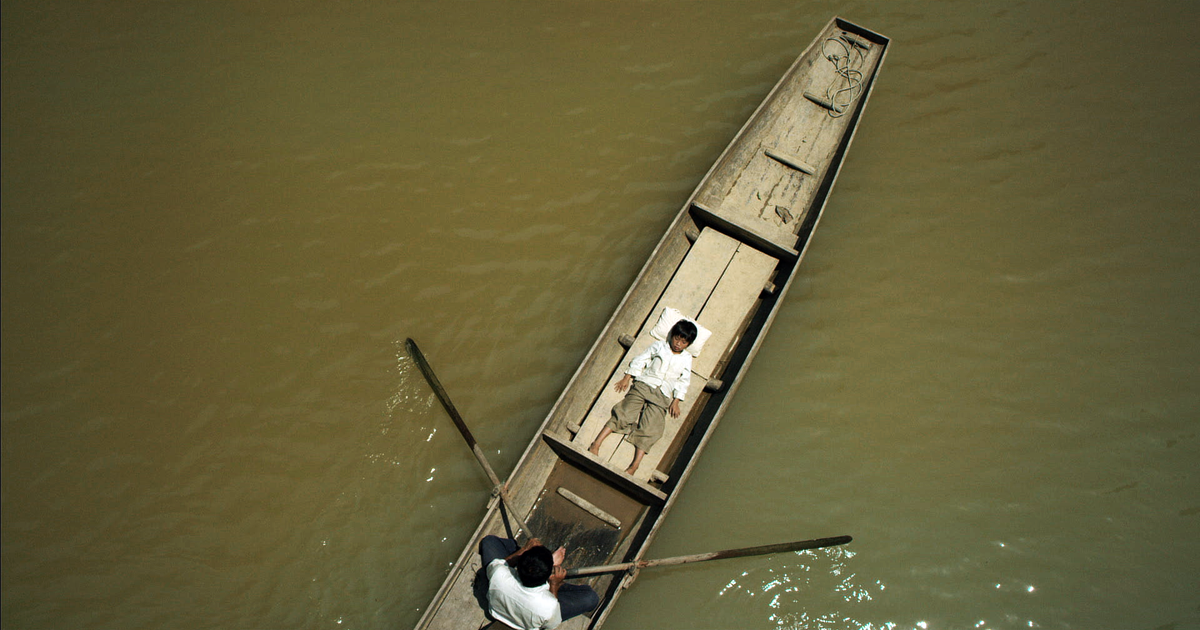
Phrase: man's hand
{"type": "Point", "coordinates": [560, 554]}
{"type": "Point", "coordinates": [556, 579]}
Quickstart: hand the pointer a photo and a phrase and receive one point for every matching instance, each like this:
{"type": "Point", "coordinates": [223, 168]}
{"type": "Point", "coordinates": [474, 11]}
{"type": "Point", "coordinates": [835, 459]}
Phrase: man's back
{"type": "Point", "coordinates": [517, 605]}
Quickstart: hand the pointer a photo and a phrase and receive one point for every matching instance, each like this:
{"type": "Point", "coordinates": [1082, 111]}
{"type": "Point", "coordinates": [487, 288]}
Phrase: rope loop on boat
{"type": "Point", "coordinates": [847, 57]}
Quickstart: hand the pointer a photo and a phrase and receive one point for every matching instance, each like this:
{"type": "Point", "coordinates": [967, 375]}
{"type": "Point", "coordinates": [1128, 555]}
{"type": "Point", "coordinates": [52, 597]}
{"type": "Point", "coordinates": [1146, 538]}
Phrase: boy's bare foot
{"type": "Point", "coordinates": [637, 460]}
{"type": "Point", "coordinates": [594, 449]}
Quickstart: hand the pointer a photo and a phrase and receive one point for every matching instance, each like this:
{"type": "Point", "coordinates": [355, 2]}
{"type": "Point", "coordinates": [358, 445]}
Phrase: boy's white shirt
{"type": "Point", "coordinates": [659, 367]}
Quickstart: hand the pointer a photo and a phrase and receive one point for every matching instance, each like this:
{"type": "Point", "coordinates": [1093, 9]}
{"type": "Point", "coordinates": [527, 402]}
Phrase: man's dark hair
{"type": "Point", "coordinates": [534, 566]}
{"type": "Point", "coordinates": [684, 328]}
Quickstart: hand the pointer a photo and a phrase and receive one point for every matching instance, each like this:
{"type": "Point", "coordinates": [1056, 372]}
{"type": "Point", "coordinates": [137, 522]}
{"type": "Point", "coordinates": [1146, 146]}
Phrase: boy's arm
{"type": "Point", "coordinates": [638, 363]}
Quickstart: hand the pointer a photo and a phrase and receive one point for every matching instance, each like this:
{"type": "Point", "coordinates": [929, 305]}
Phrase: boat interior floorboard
{"type": "Point", "coordinates": [589, 540]}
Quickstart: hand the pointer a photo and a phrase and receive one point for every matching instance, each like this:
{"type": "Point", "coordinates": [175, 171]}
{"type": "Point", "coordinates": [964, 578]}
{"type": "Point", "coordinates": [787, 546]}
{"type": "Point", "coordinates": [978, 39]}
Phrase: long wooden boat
{"type": "Point", "coordinates": [726, 262]}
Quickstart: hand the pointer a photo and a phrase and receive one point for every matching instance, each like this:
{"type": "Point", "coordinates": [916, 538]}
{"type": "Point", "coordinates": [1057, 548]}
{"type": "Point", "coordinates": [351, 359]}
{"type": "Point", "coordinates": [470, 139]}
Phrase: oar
{"type": "Point", "coordinates": [714, 555]}
{"type": "Point", "coordinates": [462, 428]}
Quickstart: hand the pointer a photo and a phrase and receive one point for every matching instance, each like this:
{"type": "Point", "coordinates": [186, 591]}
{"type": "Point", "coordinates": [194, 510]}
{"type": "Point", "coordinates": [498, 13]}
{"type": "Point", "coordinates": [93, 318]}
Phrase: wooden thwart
{"type": "Point", "coordinates": [733, 225]}
{"type": "Point", "coordinates": [635, 488]}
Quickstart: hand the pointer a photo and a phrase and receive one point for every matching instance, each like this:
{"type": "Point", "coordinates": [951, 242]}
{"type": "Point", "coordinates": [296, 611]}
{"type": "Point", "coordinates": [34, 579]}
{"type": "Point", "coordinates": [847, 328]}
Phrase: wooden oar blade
{"type": "Point", "coordinates": [439, 391]}
{"type": "Point", "coordinates": [762, 550]}
{"type": "Point", "coordinates": [461, 424]}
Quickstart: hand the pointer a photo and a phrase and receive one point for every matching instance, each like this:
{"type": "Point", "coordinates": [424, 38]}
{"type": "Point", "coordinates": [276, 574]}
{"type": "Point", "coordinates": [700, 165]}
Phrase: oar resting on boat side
{"type": "Point", "coordinates": [743, 552]}
{"type": "Point", "coordinates": [497, 486]}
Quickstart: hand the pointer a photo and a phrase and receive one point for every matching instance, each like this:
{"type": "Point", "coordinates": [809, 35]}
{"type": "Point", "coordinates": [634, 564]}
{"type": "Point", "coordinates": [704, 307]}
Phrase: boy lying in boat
{"type": "Point", "coordinates": [657, 380]}
{"type": "Point", "coordinates": [526, 587]}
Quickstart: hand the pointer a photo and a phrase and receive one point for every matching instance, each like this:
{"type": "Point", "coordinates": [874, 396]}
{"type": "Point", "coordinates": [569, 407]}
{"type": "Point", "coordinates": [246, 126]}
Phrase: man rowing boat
{"type": "Point", "coordinates": [526, 587]}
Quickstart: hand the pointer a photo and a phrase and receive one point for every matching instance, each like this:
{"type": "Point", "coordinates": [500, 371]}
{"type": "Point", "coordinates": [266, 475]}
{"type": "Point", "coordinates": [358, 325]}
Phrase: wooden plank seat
{"type": "Point", "coordinates": [746, 230]}
{"type": "Point", "coordinates": [717, 285]}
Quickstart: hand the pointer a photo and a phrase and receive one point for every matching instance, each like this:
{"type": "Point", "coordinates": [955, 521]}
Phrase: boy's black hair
{"type": "Point", "coordinates": [684, 328]}
{"type": "Point", "coordinates": [534, 566]}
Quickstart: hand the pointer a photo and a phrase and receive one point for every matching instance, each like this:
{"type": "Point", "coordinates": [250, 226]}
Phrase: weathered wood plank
{"type": "Point", "coordinates": [727, 309]}
{"type": "Point", "coordinates": [743, 229]}
{"type": "Point", "coordinates": [579, 395]}
{"type": "Point", "coordinates": [689, 289]}
{"type": "Point", "coordinates": [699, 272]}
{"type": "Point", "coordinates": [636, 488]}
{"type": "Point", "coordinates": [731, 302]}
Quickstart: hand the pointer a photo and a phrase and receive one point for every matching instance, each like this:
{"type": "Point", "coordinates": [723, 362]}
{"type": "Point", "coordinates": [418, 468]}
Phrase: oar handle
{"type": "Point", "coordinates": [761, 550]}
{"type": "Point", "coordinates": [444, 397]}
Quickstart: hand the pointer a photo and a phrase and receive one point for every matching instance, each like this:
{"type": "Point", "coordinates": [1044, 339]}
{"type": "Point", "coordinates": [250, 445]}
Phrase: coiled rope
{"type": "Point", "coordinates": [847, 56]}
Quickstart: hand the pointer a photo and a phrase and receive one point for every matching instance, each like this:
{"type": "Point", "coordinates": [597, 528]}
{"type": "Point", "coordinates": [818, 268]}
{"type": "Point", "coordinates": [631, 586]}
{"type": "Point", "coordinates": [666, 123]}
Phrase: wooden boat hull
{"type": "Point", "coordinates": [726, 261]}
